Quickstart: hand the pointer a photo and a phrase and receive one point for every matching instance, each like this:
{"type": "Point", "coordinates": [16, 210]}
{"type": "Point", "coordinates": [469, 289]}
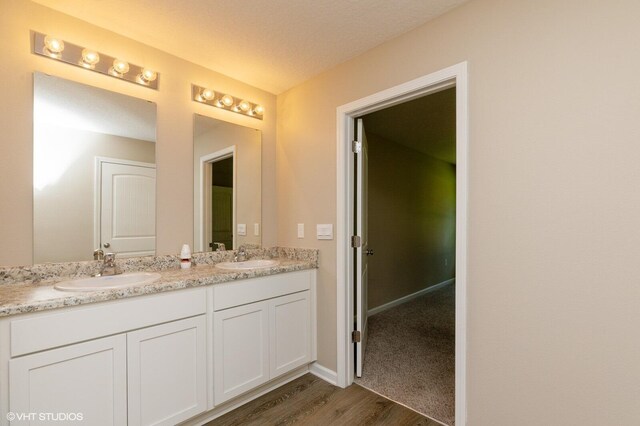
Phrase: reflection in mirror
{"type": "Point", "coordinates": [226, 184]}
{"type": "Point", "coordinates": [94, 172]}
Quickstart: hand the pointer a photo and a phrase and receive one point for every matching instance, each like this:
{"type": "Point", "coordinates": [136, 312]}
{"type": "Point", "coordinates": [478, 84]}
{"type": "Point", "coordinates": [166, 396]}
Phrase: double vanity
{"type": "Point", "coordinates": [159, 345]}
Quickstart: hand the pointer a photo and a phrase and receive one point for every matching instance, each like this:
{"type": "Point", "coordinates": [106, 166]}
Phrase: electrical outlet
{"type": "Point", "coordinates": [301, 230]}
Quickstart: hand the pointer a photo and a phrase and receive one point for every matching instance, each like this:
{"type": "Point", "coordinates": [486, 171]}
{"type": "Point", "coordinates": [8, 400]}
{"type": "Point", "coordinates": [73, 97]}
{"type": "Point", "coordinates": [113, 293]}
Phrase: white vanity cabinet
{"type": "Point", "coordinates": [241, 349]}
{"type": "Point", "coordinates": [262, 329]}
{"type": "Point", "coordinates": [150, 370]}
{"type": "Point", "coordinates": [289, 332]}
{"type": "Point", "coordinates": [86, 380]}
{"type": "Point", "coordinates": [179, 356]}
{"type": "Point", "coordinates": [167, 372]}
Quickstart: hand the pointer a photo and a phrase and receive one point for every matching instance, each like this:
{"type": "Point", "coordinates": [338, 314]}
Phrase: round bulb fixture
{"type": "Point", "coordinates": [120, 67]}
{"type": "Point", "coordinates": [208, 94]}
{"type": "Point", "coordinates": [244, 106]}
{"type": "Point", "coordinates": [53, 46]}
{"type": "Point", "coordinates": [148, 75]}
{"type": "Point", "coordinates": [227, 100]}
{"type": "Point", "coordinates": [259, 110]}
{"type": "Point", "coordinates": [90, 58]}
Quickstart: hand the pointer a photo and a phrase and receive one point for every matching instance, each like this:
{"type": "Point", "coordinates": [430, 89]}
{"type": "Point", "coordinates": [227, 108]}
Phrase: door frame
{"type": "Point", "coordinates": [457, 76]}
{"type": "Point", "coordinates": [97, 194]}
{"type": "Point", "coordinates": [228, 152]}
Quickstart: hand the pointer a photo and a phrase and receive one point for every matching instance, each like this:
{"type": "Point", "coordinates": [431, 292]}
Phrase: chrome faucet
{"type": "Point", "coordinates": [241, 255]}
{"type": "Point", "coordinates": [109, 266]}
{"type": "Point", "coordinates": [220, 246]}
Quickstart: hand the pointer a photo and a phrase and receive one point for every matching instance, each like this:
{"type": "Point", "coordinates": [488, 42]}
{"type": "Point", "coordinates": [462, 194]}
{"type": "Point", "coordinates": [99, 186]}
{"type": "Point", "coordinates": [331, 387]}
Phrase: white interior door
{"type": "Point", "coordinates": [361, 226]}
{"type": "Point", "coordinates": [128, 208]}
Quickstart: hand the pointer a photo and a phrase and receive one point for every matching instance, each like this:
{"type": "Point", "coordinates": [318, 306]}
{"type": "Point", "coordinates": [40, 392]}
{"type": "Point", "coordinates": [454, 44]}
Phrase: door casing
{"type": "Point", "coordinates": [457, 76]}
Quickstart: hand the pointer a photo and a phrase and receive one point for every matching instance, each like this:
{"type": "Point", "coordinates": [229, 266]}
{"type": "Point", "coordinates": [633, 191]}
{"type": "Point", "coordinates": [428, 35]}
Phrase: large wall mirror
{"type": "Point", "coordinates": [226, 184]}
{"type": "Point", "coordinates": [94, 172]}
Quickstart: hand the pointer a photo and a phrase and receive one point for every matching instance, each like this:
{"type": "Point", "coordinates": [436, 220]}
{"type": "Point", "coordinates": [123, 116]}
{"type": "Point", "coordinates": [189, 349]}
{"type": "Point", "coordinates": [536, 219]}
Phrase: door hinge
{"type": "Point", "coordinates": [356, 147]}
{"type": "Point", "coordinates": [356, 241]}
{"type": "Point", "coordinates": [355, 336]}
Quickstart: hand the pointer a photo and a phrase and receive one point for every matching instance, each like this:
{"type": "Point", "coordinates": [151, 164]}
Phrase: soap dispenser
{"type": "Point", "coordinates": [185, 257]}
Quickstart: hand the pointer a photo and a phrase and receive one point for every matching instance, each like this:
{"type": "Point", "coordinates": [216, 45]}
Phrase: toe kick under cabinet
{"type": "Point", "coordinates": [159, 359]}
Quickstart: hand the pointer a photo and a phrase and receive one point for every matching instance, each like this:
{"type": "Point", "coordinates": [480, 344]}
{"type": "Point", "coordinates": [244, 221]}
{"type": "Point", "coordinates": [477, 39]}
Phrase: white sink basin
{"type": "Point", "coordinates": [247, 264]}
{"type": "Point", "coordinates": [110, 282]}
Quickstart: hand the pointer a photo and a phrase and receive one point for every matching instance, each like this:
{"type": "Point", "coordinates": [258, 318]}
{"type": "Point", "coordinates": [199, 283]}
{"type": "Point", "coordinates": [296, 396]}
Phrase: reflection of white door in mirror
{"type": "Point", "coordinates": [73, 124]}
{"type": "Point", "coordinates": [125, 202]}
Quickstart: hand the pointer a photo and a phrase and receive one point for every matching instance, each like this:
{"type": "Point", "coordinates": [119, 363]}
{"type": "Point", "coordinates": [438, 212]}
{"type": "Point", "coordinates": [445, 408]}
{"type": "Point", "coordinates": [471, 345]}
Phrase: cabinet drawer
{"type": "Point", "coordinates": [238, 293]}
{"type": "Point", "coordinates": [49, 330]}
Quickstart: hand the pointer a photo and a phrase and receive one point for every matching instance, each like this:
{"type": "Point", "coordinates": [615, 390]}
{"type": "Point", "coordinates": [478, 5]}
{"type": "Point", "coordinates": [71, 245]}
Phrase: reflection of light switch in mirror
{"type": "Point", "coordinates": [242, 229]}
{"type": "Point", "coordinates": [256, 229]}
{"type": "Point", "coordinates": [324, 231]}
{"type": "Point", "coordinates": [301, 230]}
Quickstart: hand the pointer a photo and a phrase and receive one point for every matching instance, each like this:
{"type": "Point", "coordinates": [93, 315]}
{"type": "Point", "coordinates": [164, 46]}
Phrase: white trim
{"type": "Point", "coordinates": [222, 154]}
{"type": "Point", "coordinates": [97, 196]}
{"type": "Point", "coordinates": [324, 373]}
{"type": "Point", "coordinates": [455, 75]}
{"type": "Point", "coordinates": [408, 297]}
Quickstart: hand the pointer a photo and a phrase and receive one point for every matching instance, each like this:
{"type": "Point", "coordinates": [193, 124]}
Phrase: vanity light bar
{"type": "Point", "coordinates": [63, 51]}
{"type": "Point", "coordinates": [225, 101]}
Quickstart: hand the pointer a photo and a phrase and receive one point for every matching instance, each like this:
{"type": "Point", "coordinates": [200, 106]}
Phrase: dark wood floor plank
{"type": "Point", "coordinates": [309, 400]}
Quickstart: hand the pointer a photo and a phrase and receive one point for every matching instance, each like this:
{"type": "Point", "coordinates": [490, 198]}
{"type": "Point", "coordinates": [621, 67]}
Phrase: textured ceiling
{"type": "Point", "coordinates": [270, 44]}
{"type": "Point", "coordinates": [69, 104]}
{"type": "Point", "coordinates": [426, 124]}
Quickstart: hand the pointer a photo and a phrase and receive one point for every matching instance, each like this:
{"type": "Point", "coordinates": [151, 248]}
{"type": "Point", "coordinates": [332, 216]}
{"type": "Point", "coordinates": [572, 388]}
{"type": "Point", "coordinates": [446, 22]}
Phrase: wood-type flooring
{"type": "Point", "coordinates": [309, 400]}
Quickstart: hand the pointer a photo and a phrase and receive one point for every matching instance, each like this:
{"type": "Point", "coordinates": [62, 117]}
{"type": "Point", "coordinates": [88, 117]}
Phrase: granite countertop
{"type": "Point", "coordinates": [33, 295]}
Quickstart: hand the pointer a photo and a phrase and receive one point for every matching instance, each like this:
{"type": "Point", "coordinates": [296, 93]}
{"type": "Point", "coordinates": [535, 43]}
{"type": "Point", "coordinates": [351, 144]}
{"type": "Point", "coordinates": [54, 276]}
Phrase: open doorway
{"type": "Point", "coordinates": [217, 180]}
{"type": "Point", "coordinates": [349, 260]}
{"type": "Point", "coordinates": [404, 208]}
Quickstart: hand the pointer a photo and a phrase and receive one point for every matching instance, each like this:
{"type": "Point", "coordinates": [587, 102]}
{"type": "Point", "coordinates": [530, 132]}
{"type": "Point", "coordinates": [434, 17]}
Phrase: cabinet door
{"type": "Point", "coordinates": [86, 380]}
{"type": "Point", "coordinates": [167, 372]}
{"type": "Point", "coordinates": [290, 332]}
{"type": "Point", "coordinates": [240, 349]}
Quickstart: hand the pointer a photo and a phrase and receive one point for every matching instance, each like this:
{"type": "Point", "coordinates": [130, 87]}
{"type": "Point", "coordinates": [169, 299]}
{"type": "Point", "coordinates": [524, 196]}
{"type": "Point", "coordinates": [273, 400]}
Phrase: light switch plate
{"type": "Point", "coordinates": [324, 231]}
{"type": "Point", "coordinates": [256, 229]}
{"type": "Point", "coordinates": [242, 229]}
{"type": "Point", "coordinates": [301, 230]}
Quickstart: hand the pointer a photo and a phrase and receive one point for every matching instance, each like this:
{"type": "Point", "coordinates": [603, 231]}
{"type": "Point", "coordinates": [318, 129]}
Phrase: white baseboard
{"type": "Point", "coordinates": [324, 373]}
{"type": "Point", "coordinates": [407, 298]}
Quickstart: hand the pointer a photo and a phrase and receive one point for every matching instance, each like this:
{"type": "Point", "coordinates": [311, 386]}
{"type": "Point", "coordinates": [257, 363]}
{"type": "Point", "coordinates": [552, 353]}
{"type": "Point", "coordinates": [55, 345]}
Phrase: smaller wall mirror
{"type": "Point", "coordinates": [94, 172]}
{"type": "Point", "coordinates": [226, 184]}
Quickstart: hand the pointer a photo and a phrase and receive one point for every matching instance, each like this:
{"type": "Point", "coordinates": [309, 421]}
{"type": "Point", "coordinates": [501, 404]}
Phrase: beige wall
{"type": "Point", "coordinates": [63, 211]}
{"type": "Point", "coordinates": [554, 205]}
{"type": "Point", "coordinates": [174, 132]}
{"type": "Point", "coordinates": [247, 143]}
{"type": "Point", "coordinates": [412, 220]}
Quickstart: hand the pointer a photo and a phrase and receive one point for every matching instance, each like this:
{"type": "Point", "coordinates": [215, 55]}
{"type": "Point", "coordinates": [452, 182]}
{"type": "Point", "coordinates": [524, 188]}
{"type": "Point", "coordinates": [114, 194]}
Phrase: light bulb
{"type": "Point", "coordinates": [147, 75]}
{"type": "Point", "coordinates": [244, 106]}
{"type": "Point", "coordinates": [207, 94]}
{"type": "Point", "coordinates": [89, 58]}
{"type": "Point", "coordinates": [119, 68]}
{"type": "Point", "coordinates": [227, 100]}
{"type": "Point", "coordinates": [53, 46]}
{"type": "Point", "coordinates": [259, 110]}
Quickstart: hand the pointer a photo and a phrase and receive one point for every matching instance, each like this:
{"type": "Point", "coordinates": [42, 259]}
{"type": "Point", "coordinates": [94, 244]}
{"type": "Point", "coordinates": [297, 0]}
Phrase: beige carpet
{"type": "Point", "coordinates": [410, 355]}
